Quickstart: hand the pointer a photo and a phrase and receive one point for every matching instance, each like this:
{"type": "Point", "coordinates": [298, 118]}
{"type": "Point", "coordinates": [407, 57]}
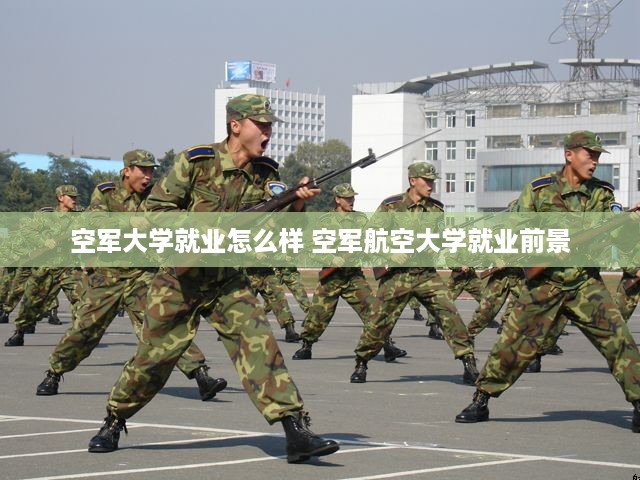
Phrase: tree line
{"type": "Point", "coordinates": [24, 190]}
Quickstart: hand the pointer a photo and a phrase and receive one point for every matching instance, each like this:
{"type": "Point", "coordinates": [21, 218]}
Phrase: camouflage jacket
{"type": "Point", "coordinates": [205, 179]}
{"type": "Point", "coordinates": [553, 193]}
{"type": "Point", "coordinates": [114, 197]}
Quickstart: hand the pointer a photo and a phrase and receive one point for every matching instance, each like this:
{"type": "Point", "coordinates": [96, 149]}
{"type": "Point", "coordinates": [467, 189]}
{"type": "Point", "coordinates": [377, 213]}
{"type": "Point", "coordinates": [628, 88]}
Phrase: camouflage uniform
{"type": "Point", "coordinates": [16, 288]}
{"type": "Point", "coordinates": [205, 179]}
{"type": "Point", "coordinates": [500, 284]}
{"type": "Point", "coordinates": [263, 280]}
{"type": "Point", "coordinates": [579, 291]}
{"type": "Point", "coordinates": [464, 280]}
{"type": "Point", "coordinates": [628, 292]}
{"type": "Point", "coordinates": [400, 284]}
{"type": "Point", "coordinates": [290, 276]}
{"type": "Point", "coordinates": [106, 288]}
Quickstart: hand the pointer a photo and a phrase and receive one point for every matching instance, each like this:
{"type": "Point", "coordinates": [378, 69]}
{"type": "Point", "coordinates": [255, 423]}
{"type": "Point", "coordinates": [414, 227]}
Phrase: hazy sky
{"type": "Point", "coordinates": [119, 74]}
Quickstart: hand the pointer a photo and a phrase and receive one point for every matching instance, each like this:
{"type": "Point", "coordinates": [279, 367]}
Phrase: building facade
{"type": "Point", "coordinates": [495, 127]}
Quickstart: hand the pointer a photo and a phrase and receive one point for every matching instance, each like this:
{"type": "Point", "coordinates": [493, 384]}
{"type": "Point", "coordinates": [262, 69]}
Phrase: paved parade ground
{"type": "Point", "coordinates": [569, 422]}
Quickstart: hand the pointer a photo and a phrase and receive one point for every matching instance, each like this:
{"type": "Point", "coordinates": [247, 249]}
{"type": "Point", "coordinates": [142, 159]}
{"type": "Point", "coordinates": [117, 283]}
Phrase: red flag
{"type": "Point", "coordinates": [287, 83]}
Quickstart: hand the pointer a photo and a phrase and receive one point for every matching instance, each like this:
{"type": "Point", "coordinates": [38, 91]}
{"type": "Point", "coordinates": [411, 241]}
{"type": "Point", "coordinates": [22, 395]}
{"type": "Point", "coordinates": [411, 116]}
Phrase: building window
{"type": "Point", "coordinates": [566, 109]}
{"type": "Point", "coordinates": [638, 179]}
{"type": "Point", "coordinates": [497, 142]}
{"type": "Point", "coordinates": [470, 149]}
{"type": "Point", "coordinates": [470, 182]}
{"type": "Point", "coordinates": [546, 141]}
{"type": "Point", "coordinates": [613, 138]}
{"type": "Point", "coordinates": [470, 118]}
{"type": "Point", "coordinates": [608, 107]}
{"type": "Point", "coordinates": [431, 149]}
{"type": "Point", "coordinates": [450, 118]}
{"type": "Point", "coordinates": [616, 177]}
{"type": "Point", "coordinates": [450, 183]}
{"type": "Point", "coordinates": [504, 111]}
{"type": "Point", "coordinates": [451, 150]}
{"type": "Point", "coordinates": [431, 119]}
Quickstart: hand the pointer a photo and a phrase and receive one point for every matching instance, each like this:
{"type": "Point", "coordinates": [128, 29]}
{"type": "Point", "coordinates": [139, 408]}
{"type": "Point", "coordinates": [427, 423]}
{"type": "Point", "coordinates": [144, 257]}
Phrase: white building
{"type": "Point", "coordinates": [302, 114]}
{"type": "Point", "coordinates": [496, 128]}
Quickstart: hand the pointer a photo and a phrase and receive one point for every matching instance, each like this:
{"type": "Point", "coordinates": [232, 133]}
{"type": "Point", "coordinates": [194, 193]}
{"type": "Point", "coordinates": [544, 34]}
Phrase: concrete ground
{"type": "Point", "coordinates": [570, 421]}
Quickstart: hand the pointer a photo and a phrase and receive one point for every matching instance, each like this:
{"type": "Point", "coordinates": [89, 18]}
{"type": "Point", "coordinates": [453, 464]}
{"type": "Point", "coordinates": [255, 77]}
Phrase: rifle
{"type": "Point", "coordinates": [277, 202]}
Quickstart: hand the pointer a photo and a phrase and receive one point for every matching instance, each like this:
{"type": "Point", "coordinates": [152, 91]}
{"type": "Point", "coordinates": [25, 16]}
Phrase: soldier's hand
{"type": "Point", "coordinates": [304, 194]}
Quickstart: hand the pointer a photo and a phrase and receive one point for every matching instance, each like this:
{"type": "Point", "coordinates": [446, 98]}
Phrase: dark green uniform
{"type": "Point", "coordinates": [290, 276]}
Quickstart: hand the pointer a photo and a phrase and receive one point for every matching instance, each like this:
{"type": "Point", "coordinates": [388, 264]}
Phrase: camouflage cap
{"type": "Point", "coordinates": [344, 190]}
{"type": "Point", "coordinates": [422, 169]}
{"type": "Point", "coordinates": [255, 107]}
{"type": "Point", "coordinates": [139, 158]}
{"type": "Point", "coordinates": [584, 139]}
{"type": "Point", "coordinates": [70, 190]}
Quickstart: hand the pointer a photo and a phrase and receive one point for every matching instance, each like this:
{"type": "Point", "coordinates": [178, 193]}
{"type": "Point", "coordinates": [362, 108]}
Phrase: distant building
{"type": "Point", "coordinates": [302, 114]}
{"type": "Point", "coordinates": [500, 126]}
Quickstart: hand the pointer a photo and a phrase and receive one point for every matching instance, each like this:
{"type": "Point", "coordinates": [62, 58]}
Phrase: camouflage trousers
{"type": "Point", "coordinates": [16, 288]}
{"type": "Point", "coordinates": [8, 274]}
{"type": "Point", "coordinates": [290, 276]}
{"type": "Point", "coordinates": [265, 282]}
{"type": "Point", "coordinates": [461, 281]}
{"type": "Point", "coordinates": [627, 295]}
{"type": "Point", "coordinates": [172, 319]}
{"type": "Point", "coordinates": [41, 293]}
{"type": "Point", "coordinates": [394, 291]}
{"type": "Point", "coordinates": [537, 312]}
{"type": "Point", "coordinates": [105, 289]}
{"type": "Point", "coordinates": [348, 283]}
{"type": "Point", "coordinates": [499, 285]}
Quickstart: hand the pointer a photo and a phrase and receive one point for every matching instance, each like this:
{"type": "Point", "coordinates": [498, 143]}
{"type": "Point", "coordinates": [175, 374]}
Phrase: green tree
{"type": "Point", "coordinates": [164, 163]}
{"type": "Point", "coordinates": [313, 160]}
{"type": "Point", "coordinates": [17, 197]}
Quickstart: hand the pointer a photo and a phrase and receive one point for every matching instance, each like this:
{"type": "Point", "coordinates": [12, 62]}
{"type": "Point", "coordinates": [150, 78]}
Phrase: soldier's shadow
{"type": "Point", "coordinates": [422, 378]}
{"type": "Point", "coordinates": [193, 394]}
{"type": "Point", "coordinates": [608, 417]}
{"type": "Point", "coordinates": [272, 445]}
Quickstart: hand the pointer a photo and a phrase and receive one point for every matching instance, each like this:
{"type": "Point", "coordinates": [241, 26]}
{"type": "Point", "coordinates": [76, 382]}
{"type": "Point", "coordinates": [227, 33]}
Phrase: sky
{"type": "Point", "coordinates": [109, 76]}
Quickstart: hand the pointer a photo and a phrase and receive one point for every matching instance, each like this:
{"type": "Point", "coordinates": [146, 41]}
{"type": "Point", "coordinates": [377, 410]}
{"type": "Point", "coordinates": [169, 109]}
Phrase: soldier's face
{"type": "Point", "coordinates": [253, 136]}
{"type": "Point", "coordinates": [345, 204]}
{"type": "Point", "coordinates": [137, 179]}
{"type": "Point", "coordinates": [67, 203]}
{"type": "Point", "coordinates": [421, 186]}
{"type": "Point", "coordinates": [582, 162]}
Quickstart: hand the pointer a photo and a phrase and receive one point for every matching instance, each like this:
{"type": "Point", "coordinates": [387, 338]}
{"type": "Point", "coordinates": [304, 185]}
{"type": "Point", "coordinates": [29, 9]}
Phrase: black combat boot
{"type": "Point", "coordinates": [303, 353]}
{"type": "Point", "coordinates": [477, 411]}
{"type": "Point", "coordinates": [535, 366]}
{"type": "Point", "coordinates": [499, 330]}
{"type": "Point", "coordinates": [302, 443]}
{"type": "Point", "coordinates": [30, 328]}
{"type": "Point", "coordinates": [121, 312]}
{"type": "Point", "coordinates": [555, 350]}
{"type": "Point", "coordinates": [391, 352]}
{"type": "Point", "coordinates": [49, 385]}
{"type": "Point", "coordinates": [470, 374]}
{"type": "Point", "coordinates": [107, 438]}
{"type": "Point", "coordinates": [417, 315]}
{"type": "Point", "coordinates": [291, 336]}
{"type": "Point", "coordinates": [208, 386]}
{"type": "Point", "coordinates": [494, 324]}
{"type": "Point", "coordinates": [635, 423]}
{"type": "Point", "coordinates": [359, 375]}
{"type": "Point", "coordinates": [53, 317]}
{"type": "Point", "coordinates": [15, 340]}
{"type": "Point", "coordinates": [4, 316]}
{"type": "Point", "coordinates": [434, 332]}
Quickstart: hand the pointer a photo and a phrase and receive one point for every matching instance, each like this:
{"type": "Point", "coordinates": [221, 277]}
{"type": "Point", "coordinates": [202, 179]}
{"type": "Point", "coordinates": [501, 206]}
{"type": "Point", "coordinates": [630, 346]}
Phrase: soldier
{"type": "Point", "coordinates": [345, 282]}
{"type": "Point", "coordinates": [414, 305]}
{"type": "Point", "coordinates": [464, 279]}
{"type": "Point", "coordinates": [44, 282]}
{"type": "Point", "coordinates": [107, 288]}
{"type": "Point", "coordinates": [290, 276]}
{"type": "Point", "coordinates": [226, 176]}
{"type": "Point", "coordinates": [263, 280]}
{"type": "Point", "coordinates": [15, 286]}
{"type": "Point", "coordinates": [580, 291]}
{"type": "Point", "coordinates": [398, 285]}
{"type": "Point", "coordinates": [628, 292]}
